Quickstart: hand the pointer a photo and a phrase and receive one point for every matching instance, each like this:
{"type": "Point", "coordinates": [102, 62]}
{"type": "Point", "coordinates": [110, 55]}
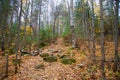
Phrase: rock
{"type": "Point", "coordinates": [60, 51]}
{"type": "Point", "coordinates": [68, 61]}
{"type": "Point", "coordinates": [40, 50]}
{"type": "Point", "coordinates": [42, 44]}
{"type": "Point", "coordinates": [63, 56]}
{"type": "Point", "coordinates": [50, 59]}
{"type": "Point", "coordinates": [23, 52]}
{"type": "Point", "coordinates": [44, 55]}
{"type": "Point", "coordinates": [35, 53]}
{"type": "Point", "coordinates": [80, 65]}
{"type": "Point", "coordinates": [53, 51]}
{"type": "Point", "coordinates": [39, 66]}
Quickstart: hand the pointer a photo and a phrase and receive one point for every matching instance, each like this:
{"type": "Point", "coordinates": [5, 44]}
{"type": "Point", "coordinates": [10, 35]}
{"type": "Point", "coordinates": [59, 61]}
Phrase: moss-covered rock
{"type": "Point", "coordinates": [42, 44]}
{"type": "Point", "coordinates": [44, 55]}
{"type": "Point", "coordinates": [39, 66]}
{"type": "Point", "coordinates": [50, 59]}
{"type": "Point", "coordinates": [68, 61]}
{"type": "Point", "coordinates": [63, 56]}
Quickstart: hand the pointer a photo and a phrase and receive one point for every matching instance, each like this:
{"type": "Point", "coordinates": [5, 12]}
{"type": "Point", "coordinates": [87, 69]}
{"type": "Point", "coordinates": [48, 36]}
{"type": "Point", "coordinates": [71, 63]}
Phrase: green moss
{"type": "Point", "coordinates": [63, 56]}
{"type": "Point", "coordinates": [44, 55]}
{"type": "Point", "coordinates": [16, 61]}
{"type": "Point", "coordinates": [71, 48]}
{"type": "Point", "coordinates": [42, 44]}
{"type": "Point", "coordinates": [50, 59]}
{"type": "Point", "coordinates": [11, 51]}
{"type": "Point", "coordinates": [68, 52]}
{"type": "Point", "coordinates": [39, 66]}
{"type": "Point", "coordinates": [68, 61]}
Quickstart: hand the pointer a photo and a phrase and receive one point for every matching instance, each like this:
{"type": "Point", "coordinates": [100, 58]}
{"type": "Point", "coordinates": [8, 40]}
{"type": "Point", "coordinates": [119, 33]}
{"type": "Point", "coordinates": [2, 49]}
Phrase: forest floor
{"type": "Point", "coordinates": [83, 69]}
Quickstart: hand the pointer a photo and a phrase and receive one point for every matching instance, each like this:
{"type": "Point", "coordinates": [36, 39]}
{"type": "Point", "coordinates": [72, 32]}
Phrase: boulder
{"type": "Point", "coordinates": [68, 61]}
{"type": "Point", "coordinates": [35, 53]}
{"type": "Point", "coordinates": [39, 66]}
{"type": "Point", "coordinates": [24, 52]}
{"type": "Point", "coordinates": [50, 59]}
{"type": "Point", "coordinates": [53, 51]}
{"type": "Point", "coordinates": [61, 56]}
{"type": "Point", "coordinates": [44, 55]}
{"type": "Point", "coordinates": [80, 65]}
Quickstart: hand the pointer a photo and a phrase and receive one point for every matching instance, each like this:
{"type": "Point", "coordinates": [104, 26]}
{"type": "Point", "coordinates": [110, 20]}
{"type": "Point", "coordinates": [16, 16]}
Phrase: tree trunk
{"type": "Point", "coordinates": [31, 27]}
{"type": "Point", "coordinates": [18, 37]}
{"type": "Point", "coordinates": [26, 18]}
{"type": "Point", "coordinates": [116, 57]}
{"type": "Point", "coordinates": [102, 41]}
{"type": "Point", "coordinates": [72, 24]}
{"type": "Point", "coordinates": [88, 28]}
{"type": "Point", "coordinates": [2, 42]}
{"type": "Point", "coordinates": [93, 31]}
{"type": "Point", "coordinates": [9, 42]}
{"type": "Point", "coordinates": [53, 35]}
{"type": "Point", "coordinates": [39, 26]}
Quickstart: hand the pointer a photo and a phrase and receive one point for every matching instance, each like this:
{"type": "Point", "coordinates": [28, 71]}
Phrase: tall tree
{"type": "Point", "coordinates": [26, 11]}
{"type": "Point", "coordinates": [93, 30]}
{"type": "Point", "coordinates": [72, 23]}
{"type": "Point", "coordinates": [18, 36]}
{"type": "Point", "coordinates": [102, 41]}
{"type": "Point", "coordinates": [116, 56]}
{"type": "Point", "coordinates": [4, 15]}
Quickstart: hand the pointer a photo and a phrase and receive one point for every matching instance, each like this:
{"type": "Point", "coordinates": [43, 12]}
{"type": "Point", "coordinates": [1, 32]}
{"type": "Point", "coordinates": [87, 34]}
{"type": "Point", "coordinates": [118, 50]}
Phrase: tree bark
{"type": "Point", "coordinates": [18, 36]}
{"type": "Point", "coordinates": [102, 42]}
{"type": "Point", "coordinates": [93, 31]}
{"type": "Point", "coordinates": [116, 57]}
{"type": "Point", "coordinates": [72, 24]}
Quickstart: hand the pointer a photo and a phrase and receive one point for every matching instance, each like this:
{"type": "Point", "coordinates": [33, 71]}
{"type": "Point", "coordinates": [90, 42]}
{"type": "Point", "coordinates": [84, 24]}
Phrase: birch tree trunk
{"type": "Point", "coordinates": [72, 24]}
{"type": "Point", "coordinates": [39, 25]}
{"type": "Point", "coordinates": [67, 2]}
{"type": "Point", "coordinates": [31, 27]}
{"type": "Point", "coordinates": [26, 19]}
